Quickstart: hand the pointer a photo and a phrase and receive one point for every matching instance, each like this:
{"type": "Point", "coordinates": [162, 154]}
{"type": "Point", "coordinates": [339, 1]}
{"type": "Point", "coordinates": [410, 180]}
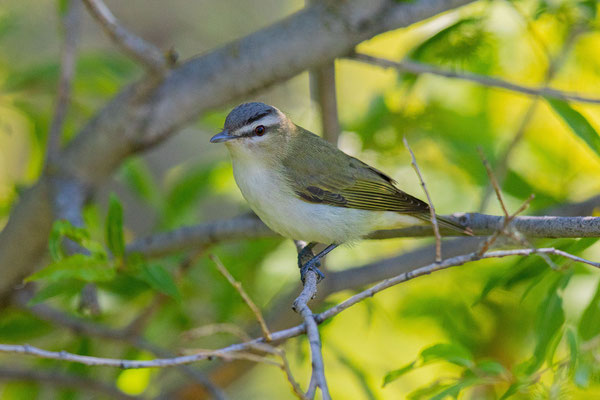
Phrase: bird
{"type": "Point", "coordinates": [305, 188]}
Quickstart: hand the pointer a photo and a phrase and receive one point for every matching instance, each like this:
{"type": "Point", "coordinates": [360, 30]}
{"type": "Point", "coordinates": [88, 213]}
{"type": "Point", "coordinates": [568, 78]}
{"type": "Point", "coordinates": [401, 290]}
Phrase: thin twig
{"type": "Point", "coordinates": [144, 52]}
{"type": "Point", "coordinates": [68, 57]}
{"type": "Point", "coordinates": [434, 224]}
{"type": "Point", "coordinates": [312, 331]}
{"type": "Point", "coordinates": [238, 286]}
{"type": "Point", "coordinates": [420, 68]}
{"type": "Point", "coordinates": [493, 181]}
{"type": "Point", "coordinates": [297, 330]}
{"type": "Point", "coordinates": [63, 381]}
{"type": "Point", "coordinates": [507, 220]}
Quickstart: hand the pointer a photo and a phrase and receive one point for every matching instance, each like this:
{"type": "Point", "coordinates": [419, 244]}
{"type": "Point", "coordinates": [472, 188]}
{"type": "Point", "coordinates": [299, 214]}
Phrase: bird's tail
{"type": "Point", "coordinates": [448, 224]}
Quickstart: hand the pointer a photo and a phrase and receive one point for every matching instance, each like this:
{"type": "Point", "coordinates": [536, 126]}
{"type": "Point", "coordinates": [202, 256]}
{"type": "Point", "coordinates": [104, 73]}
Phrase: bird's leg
{"type": "Point", "coordinates": [308, 261]}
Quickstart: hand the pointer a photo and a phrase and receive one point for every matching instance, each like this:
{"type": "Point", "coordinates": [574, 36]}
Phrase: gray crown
{"type": "Point", "coordinates": [247, 113]}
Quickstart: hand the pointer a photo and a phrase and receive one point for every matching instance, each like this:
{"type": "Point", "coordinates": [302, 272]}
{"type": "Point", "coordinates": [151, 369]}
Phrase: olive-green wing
{"type": "Point", "coordinates": [326, 175]}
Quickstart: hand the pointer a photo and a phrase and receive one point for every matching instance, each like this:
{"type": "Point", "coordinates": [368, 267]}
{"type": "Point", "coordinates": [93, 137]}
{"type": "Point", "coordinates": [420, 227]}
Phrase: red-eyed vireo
{"type": "Point", "coordinates": [304, 188]}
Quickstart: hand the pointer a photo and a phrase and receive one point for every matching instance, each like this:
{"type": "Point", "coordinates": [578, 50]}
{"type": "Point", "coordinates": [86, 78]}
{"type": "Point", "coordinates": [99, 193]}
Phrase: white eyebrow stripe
{"type": "Point", "coordinates": [267, 121]}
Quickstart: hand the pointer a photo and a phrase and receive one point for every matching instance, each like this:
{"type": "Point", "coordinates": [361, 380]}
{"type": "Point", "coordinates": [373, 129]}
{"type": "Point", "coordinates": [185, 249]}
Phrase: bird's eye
{"type": "Point", "coordinates": [259, 130]}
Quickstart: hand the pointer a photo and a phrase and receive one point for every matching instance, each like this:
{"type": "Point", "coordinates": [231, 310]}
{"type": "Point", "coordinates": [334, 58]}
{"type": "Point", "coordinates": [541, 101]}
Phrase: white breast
{"type": "Point", "coordinates": [271, 198]}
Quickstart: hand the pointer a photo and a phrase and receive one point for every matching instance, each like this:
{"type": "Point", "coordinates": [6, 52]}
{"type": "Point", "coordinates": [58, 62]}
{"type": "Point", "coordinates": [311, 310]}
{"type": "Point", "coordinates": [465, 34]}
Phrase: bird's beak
{"type": "Point", "coordinates": [221, 137]}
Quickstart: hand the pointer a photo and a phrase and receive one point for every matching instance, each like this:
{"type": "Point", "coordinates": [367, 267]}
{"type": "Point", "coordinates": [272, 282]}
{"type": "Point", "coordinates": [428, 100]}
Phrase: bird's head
{"type": "Point", "coordinates": [255, 129]}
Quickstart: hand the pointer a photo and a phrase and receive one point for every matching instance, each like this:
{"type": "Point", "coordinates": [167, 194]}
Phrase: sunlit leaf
{"type": "Point", "coordinates": [573, 348]}
{"type": "Point", "coordinates": [397, 373]}
{"type": "Point", "coordinates": [451, 352]}
{"type": "Point", "coordinates": [491, 367]}
{"type": "Point", "coordinates": [158, 278]}
{"type": "Point", "coordinates": [578, 123]}
{"type": "Point", "coordinates": [454, 390]}
{"type": "Point", "coordinates": [62, 287]}
{"type": "Point", "coordinates": [114, 227]}
{"type": "Point", "coordinates": [589, 324]}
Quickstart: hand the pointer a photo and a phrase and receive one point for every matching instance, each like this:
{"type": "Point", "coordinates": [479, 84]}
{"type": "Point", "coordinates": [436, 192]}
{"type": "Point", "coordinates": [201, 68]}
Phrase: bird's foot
{"type": "Point", "coordinates": [312, 265]}
{"type": "Point", "coordinates": [307, 261]}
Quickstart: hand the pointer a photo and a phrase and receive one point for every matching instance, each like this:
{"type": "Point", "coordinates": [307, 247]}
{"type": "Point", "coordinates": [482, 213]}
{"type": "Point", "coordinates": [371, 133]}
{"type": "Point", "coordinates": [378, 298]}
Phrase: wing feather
{"type": "Point", "coordinates": [350, 183]}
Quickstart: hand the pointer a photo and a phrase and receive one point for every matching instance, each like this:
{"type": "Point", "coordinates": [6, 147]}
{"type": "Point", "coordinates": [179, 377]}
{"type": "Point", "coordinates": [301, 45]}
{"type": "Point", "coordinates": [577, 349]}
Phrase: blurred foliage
{"type": "Point", "coordinates": [510, 328]}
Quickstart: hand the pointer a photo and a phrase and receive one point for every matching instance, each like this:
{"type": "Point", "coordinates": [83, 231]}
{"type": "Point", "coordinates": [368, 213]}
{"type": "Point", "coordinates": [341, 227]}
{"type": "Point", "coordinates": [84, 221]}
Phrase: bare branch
{"type": "Point", "coordinates": [434, 224]}
{"type": "Point", "coordinates": [493, 181]}
{"type": "Point", "coordinates": [244, 295]}
{"type": "Point", "coordinates": [63, 380]}
{"type": "Point", "coordinates": [312, 331]}
{"type": "Point", "coordinates": [71, 25]}
{"type": "Point", "coordinates": [290, 332]}
{"type": "Point", "coordinates": [139, 49]}
{"type": "Point", "coordinates": [419, 68]}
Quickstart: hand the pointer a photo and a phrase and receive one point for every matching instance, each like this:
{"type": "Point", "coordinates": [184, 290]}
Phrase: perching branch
{"type": "Point", "coordinates": [291, 332]}
{"type": "Point", "coordinates": [420, 68]}
{"type": "Point", "coordinates": [144, 52]}
{"type": "Point", "coordinates": [312, 331]}
{"type": "Point", "coordinates": [250, 227]}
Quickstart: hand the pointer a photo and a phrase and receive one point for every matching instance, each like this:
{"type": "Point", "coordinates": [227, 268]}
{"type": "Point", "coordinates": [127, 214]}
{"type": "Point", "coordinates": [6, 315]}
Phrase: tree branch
{"type": "Point", "coordinates": [291, 332]}
{"type": "Point", "coordinates": [68, 56]}
{"type": "Point", "coordinates": [420, 68]}
{"type": "Point", "coordinates": [250, 227]}
{"type": "Point", "coordinates": [312, 331]}
{"type": "Point", "coordinates": [63, 380]}
{"type": "Point", "coordinates": [136, 47]}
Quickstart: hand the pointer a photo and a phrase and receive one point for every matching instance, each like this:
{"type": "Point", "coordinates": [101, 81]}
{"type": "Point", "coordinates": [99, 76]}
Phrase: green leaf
{"type": "Point", "coordinates": [589, 324]}
{"type": "Point", "coordinates": [78, 266]}
{"type": "Point", "coordinates": [158, 278]}
{"type": "Point", "coordinates": [491, 367]}
{"type": "Point", "coordinates": [583, 374]}
{"type": "Point", "coordinates": [139, 179]}
{"type": "Point", "coordinates": [451, 352]}
{"type": "Point", "coordinates": [573, 348]}
{"type": "Point", "coordinates": [454, 390]}
{"type": "Point", "coordinates": [397, 373]}
{"type": "Point", "coordinates": [63, 6]}
{"type": "Point", "coordinates": [551, 318]}
{"type": "Point", "coordinates": [114, 227]}
{"type": "Point", "coordinates": [64, 229]}
{"type": "Point", "coordinates": [512, 389]}
{"type": "Point", "coordinates": [578, 123]}
{"type": "Point", "coordinates": [67, 286]}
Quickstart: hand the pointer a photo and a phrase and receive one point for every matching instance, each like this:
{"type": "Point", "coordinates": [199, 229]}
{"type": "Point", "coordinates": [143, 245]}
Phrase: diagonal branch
{"type": "Point", "coordinates": [290, 332]}
{"type": "Point", "coordinates": [139, 49]}
{"type": "Point", "coordinates": [420, 68]}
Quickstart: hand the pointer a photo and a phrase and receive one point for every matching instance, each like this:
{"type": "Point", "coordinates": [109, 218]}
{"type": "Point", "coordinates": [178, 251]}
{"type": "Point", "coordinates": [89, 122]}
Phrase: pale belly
{"type": "Point", "coordinates": [281, 210]}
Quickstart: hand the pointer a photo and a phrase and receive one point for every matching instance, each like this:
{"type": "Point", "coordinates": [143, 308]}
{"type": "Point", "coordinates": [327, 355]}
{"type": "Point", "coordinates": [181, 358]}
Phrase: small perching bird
{"type": "Point", "coordinates": [304, 188]}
